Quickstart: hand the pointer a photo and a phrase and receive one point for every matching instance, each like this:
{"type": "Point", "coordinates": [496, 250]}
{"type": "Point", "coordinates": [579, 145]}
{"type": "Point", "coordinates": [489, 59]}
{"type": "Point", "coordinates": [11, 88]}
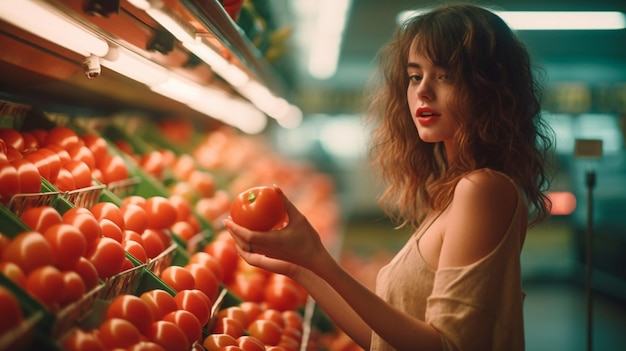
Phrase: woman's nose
{"type": "Point", "coordinates": [425, 91]}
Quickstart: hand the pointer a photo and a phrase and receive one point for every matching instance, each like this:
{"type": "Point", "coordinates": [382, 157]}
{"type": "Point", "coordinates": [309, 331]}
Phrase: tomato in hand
{"type": "Point", "coordinates": [259, 208]}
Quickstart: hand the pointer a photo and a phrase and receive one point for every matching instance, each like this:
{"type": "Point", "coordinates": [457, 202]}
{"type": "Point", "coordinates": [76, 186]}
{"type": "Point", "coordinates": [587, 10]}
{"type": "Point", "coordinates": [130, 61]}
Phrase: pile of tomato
{"type": "Point", "coordinates": [65, 254]}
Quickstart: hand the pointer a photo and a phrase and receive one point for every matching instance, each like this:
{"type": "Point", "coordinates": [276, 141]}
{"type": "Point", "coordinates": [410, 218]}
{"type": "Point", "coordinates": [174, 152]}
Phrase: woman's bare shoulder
{"type": "Point", "coordinates": [479, 216]}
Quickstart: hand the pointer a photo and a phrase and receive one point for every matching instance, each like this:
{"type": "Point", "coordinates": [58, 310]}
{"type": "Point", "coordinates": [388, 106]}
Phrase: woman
{"type": "Point", "coordinates": [461, 147]}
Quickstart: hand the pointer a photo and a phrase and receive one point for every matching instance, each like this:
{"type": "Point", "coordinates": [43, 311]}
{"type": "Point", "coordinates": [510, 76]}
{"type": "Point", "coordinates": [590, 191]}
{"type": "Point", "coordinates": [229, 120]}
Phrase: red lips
{"type": "Point", "coordinates": [426, 115]}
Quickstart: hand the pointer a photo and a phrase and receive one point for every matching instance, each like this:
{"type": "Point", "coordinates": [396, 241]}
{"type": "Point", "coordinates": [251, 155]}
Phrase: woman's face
{"type": "Point", "coordinates": [428, 93]}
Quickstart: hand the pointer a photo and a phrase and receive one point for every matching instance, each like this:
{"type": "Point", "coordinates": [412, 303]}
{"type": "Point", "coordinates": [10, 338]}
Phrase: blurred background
{"type": "Point", "coordinates": [331, 55]}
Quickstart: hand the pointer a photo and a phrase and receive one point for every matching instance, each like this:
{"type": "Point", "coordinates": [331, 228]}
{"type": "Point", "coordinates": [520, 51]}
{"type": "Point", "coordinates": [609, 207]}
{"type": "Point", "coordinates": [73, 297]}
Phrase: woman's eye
{"type": "Point", "coordinates": [415, 78]}
{"type": "Point", "coordinates": [443, 77]}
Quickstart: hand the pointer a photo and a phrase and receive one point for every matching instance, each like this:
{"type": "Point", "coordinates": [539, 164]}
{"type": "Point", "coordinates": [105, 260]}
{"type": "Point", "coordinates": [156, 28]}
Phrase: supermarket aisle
{"type": "Point", "coordinates": [555, 306]}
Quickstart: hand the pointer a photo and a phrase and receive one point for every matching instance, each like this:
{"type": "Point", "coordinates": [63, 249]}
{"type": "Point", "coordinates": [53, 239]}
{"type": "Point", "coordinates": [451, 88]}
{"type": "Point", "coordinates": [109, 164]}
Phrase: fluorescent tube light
{"type": "Point", "coordinates": [231, 73]}
{"type": "Point", "coordinates": [177, 27]}
{"type": "Point", "coordinates": [552, 20]}
{"type": "Point", "coordinates": [328, 35]}
{"type": "Point", "coordinates": [53, 25]}
{"type": "Point", "coordinates": [134, 66]}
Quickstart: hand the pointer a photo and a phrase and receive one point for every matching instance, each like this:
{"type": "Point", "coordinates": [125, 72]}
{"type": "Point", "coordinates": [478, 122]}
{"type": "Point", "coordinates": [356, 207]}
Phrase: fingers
{"type": "Point", "coordinates": [289, 206]}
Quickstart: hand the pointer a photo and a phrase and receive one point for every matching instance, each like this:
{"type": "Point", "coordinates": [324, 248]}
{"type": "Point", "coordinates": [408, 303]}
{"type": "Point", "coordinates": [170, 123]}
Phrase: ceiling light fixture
{"type": "Point", "coordinates": [552, 20]}
{"type": "Point", "coordinates": [53, 25]}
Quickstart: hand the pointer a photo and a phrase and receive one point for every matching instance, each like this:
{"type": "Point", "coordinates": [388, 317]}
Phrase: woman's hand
{"type": "Point", "coordinates": [283, 250]}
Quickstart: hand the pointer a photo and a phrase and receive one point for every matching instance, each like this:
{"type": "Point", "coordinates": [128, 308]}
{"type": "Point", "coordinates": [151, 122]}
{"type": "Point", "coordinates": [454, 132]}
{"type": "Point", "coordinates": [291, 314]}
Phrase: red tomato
{"type": "Point", "coordinates": [184, 230]}
{"type": "Point", "coordinates": [182, 206]}
{"type": "Point", "coordinates": [109, 229]}
{"type": "Point", "coordinates": [135, 217]}
{"type": "Point", "coordinates": [227, 255]}
{"type": "Point", "coordinates": [146, 346]}
{"type": "Point", "coordinates": [152, 163]}
{"type": "Point", "coordinates": [110, 211]}
{"type": "Point", "coordinates": [202, 182]}
{"type": "Point", "coordinates": [118, 333]}
{"type": "Point", "coordinates": [9, 182]}
{"type": "Point", "coordinates": [288, 343]}
{"type": "Point", "coordinates": [178, 278]}
{"type": "Point", "coordinates": [282, 294]}
{"type": "Point", "coordinates": [161, 213]}
{"type": "Point", "coordinates": [41, 218]}
{"type": "Point", "coordinates": [248, 287]}
{"type": "Point", "coordinates": [230, 326]}
{"type": "Point", "coordinates": [133, 309]}
{"type": "Point", "coordinates": [132, 235]}
{"type": "Point", "coordinates": [53, 160]}
{"type": "Point", "coordinates": [183, 166]}
{"type": "Point", "coordinates": [30, 141]}
{"type": "Point", "coordinates": [29, 250]}
{"type": "Point", "coordinates": [39, 134]}
{"type": "Point", "coordinates": [84, 154]}
{"type": "Point", "coordinates": [270, 314]}
{"type": "Point", "coordinates": [168, 335]}
{"type": "Point", "coordinates": [136, 250]}
{"type": "Point", "coordinates": [62, 136]}
{"type": "Point", "coordinates": [205, 280]}
{"type": "Point", "coordinates": [252, 310]}
{"type": "Point", "coordinates": [12, 314]}
{"type": "Point", "coordinates": [73, 288]}
{"type": "Point", "coordinates": [41, 162]}
{"type": "Point", "coordinates": [88, 272]}
{"type": "Point", "coordinates": [12, 138]}
{"type": "Point", "coordinates": [65, 180]}
{"type": "Point", "coordinates": [265, 330]}
{"type": "Point", "coordinates": [61, 152]}
{"type": "Point", "coordinates": [113, 168]}
{"type": "Point", "coordinates": [160, 302]}
{"type": "Point", "coordinates": [187, 322]}
{"type": "Point", "coordinates": [97, 145]}
{"type": "Point", "coordinates": [28, 176]}
{"type": "Point", "coordinates": [45, 283]}
{"type": "Point", "coordinates": [215, 342]}
{"type": "Point", "coordinates": [85, 222]}
{"type": "Point", "coordinates": [108, 257]}
{"type": "Point", "coordinates": [234, 312]}
{"type": "Point", "coordinates": [194, 301]}
{"type": "Point", "coordinates": [250, 343]}
{"type": "Point", "coordinates": [208, 261]}
{"type": "Point", "coordinates": [12, 271]}
{"type": "Point", "coordinates": [152, 242]}
{"type": "Point", "coordinates": [81, 340]}
{"type": "Point", "coordinates": [80, 172]}
{"type": "Point", "coordinates": [258, 208]}
{"type": "Point", "coordinates": [135, 200]}
{"type": "Point", "coordinates": [293, 319]}
{"type": "Point", "coordinates": [68, 244]}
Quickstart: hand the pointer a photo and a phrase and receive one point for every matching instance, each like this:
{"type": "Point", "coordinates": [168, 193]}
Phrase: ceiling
{"type": "Point", "coordinates": [583, 56]}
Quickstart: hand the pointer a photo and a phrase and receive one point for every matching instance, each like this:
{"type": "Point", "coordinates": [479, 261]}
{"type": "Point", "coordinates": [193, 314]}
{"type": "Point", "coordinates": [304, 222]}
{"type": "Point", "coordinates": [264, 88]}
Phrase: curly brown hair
{"type": "Point", "coordinates": [496, 101]}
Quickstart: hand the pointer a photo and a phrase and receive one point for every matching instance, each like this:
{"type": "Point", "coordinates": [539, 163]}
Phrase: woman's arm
{"type": "Point", "coordinates": [298, 252]}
